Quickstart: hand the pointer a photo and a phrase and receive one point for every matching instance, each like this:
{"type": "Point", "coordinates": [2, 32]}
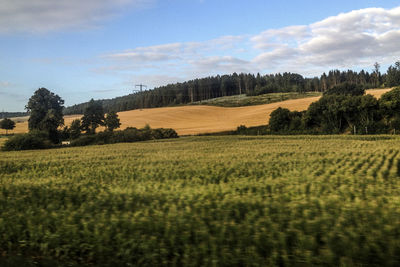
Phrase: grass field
{"type": "Point", "coordinates": [2, 140]}
{"type": "Point", "coordinates": [196, 119]}
{"type": "Point", "coordinates": [244, 100]}
{"type": "Point", "coordinates": [213, 201]}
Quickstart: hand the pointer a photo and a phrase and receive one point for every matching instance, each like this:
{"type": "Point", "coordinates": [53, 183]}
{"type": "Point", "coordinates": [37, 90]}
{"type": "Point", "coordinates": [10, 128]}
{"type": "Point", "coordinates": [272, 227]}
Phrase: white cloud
{"type": "Point", "coordinates": [40, 16]}
{"type": "Point", "coordinates": [185, 60]}
{"type": "Point", "coordinates": [272, 37]}
{"type": "Point", "coordinates": [344, 41]}
{"type": "Point", "coordinates": [149, 54]}
{"type": "Point", "coordinates": [177, 50]}
{"type": "Point", "coordinates": [348, 40]}
{"type": "Point", "coordinates": [217, 65]}
{"type": "Point", "coordinates": [276, 55]}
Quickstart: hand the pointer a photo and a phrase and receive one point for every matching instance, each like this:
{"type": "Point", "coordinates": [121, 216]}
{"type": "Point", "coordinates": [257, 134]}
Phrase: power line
{"type": "Point", "coordinates": [140, 86]}
{"type": "Point", "coordinates": [141, 90]}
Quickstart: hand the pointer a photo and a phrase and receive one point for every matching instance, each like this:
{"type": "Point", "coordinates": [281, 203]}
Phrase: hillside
{"type": "Point", "coordinates": [245, 100]}
{"type": "Point", "coordinates": [187, 120]}
{"type": "Point", "coordinates": [209, 88]}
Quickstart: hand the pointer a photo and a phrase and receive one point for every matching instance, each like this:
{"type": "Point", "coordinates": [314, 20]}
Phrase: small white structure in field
{"type": "Point", "coordinates": [65, 143]}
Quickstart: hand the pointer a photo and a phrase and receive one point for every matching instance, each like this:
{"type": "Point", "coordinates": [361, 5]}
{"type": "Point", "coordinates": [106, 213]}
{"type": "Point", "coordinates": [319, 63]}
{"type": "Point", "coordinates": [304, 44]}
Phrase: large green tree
{"type": "Point", "coordinates": [329, 114]}
{"type": "Point", "coordinates": [368, 115]}
{"type": "Point", "coordinates": [93, 117]}
{"type": "Point", "coordinates": [7, 124]}
{"type": "Point", "coordinates": [283, 120]}
{"type": "Point", "coordinates": [393, 75]}
{"type": "Point", "coordinates": [46, 112]}
{"type": "Point", "coordinates": [112, 121]}
{"type": "Point", "coordinates": [389, 104]}
{"type": "Point", "coordinates": [279, 119]}
{"type": "Point", "coordinates": [340, 113]}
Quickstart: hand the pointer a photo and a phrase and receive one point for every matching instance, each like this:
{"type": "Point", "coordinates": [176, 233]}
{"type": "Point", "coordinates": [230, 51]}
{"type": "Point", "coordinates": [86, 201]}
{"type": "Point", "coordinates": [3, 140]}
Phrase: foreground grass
{"type": "Point", "coordinates": [3, 139]}
{"type": "Point", "coordinates": [243, 100]}
{"type": "Point", "coordinates": [222, 201]}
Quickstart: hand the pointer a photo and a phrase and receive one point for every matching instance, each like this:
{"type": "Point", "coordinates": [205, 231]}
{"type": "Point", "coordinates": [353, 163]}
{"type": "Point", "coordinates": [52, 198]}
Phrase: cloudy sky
{"type": "Point", "coordinates": [102, 48]}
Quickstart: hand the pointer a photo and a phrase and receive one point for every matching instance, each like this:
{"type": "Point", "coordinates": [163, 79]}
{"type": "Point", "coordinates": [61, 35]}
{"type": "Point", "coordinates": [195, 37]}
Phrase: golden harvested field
{"type": "Point", "coordinates": [187, 120]}
{"type": "Point", "coordinates": [21, 125]}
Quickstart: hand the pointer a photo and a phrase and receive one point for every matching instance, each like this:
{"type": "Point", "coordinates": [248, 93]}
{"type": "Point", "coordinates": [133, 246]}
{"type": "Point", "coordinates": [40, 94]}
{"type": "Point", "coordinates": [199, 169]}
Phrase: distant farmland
{"type": "Point", "coordinates": [187, 120]}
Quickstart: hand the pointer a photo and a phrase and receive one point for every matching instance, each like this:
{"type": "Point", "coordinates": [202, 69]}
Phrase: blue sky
{"type": "Point", "coordinates": [102, 48]}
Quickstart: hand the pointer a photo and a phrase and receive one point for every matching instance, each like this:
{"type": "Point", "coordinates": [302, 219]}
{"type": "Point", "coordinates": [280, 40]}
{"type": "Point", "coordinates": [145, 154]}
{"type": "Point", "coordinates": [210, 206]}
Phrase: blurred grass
{"type": "Point", "coordinates": [221, 201]}
{"type": "Point", "coordinates": [3, 139]}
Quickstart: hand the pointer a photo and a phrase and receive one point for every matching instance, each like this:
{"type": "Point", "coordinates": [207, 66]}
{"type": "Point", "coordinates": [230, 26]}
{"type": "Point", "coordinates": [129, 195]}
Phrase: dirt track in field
{"type": "Point", "coordinates": [188, 120]}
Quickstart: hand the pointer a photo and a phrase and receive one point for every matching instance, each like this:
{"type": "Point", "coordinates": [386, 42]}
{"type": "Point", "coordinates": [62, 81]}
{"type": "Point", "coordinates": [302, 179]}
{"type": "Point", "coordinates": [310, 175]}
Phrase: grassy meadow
{"type": "Point", "coordinates": [244, 100]}
{"type": "Point", "coordinates": [214, 201]}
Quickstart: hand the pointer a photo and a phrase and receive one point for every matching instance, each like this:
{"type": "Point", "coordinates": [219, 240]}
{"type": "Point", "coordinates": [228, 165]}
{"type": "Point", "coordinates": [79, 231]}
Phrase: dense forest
{"type": "Point", "coordinates": [249, 84]}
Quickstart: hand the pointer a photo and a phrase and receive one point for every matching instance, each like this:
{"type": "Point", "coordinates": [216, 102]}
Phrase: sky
{"type": "Point", "coordinates": [103, 48]}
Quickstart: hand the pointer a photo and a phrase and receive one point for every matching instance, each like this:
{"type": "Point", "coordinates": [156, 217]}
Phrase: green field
{"type": "Point", "coordinates": [213, 201]}
{"type": "Point", "coordinates": [244, 100]}
{"type": "Point", "coordinates": [2, 140]}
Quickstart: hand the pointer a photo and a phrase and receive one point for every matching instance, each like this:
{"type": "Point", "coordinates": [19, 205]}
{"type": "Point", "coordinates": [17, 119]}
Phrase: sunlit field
{"type": "Point", "coordinates": [219, 201]}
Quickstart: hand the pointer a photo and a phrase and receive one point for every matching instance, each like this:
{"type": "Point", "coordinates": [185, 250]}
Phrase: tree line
{"type": "Point", "coordinates": [225, 85]}
{"type": "Point", "coordinates": [4, 115]}
{"type": "Point", "coordinates": [342, 109]}
{"type": "Point", "coordinates": [47, 118]}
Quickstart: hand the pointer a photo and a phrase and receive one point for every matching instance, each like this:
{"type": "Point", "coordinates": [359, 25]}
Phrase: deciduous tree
{"type": "Point", "coordinates": [279, 119]}
{"type": "Point", "coordinates": [93, 117]}
{"type": "Point", "coordinates": [46, 113]}
{"type": "Point", "coordinates": [7, 124]}
{"type": "Point", "coordinates": [112, 121]}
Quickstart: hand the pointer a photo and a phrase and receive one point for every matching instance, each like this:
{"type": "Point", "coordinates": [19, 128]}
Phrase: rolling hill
{"type": "Point", "coordinates": [190, 120]}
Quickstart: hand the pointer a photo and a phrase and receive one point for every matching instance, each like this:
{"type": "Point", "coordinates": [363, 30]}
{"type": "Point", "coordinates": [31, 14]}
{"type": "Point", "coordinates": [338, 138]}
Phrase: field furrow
{"type": "Point", "coordinates": [224, 201]}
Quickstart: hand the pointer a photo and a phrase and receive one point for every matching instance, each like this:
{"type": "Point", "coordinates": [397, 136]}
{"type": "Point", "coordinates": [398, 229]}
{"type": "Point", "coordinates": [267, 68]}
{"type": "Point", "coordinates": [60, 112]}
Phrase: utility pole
{"type": "Point", "coordinates": [140, 86]}
{"type": "Point", "coordinates": [141, 90]}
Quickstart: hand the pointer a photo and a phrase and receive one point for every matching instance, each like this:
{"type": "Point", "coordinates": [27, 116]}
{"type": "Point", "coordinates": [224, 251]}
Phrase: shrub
{"type": "Point", "coordinates": [241, 129]}
{"type": "Point", "coordinates": [163, 133]}
{"type": "Point", "coordinates": [84, 140]}
{"type": "Point", "coordinates": [32, 140]}
{"type": "Point", "coordinates": [104, 137]}
{"type": "Point", "coordinates": [254, 130]}
{"type": "Point", "coordinates": [346, 89]}
{"type": "Point", "coordinates": [126, 136]}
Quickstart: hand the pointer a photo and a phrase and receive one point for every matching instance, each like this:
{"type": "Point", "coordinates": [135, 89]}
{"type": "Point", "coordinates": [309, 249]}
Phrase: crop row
{"type": "Point", "coordinates": [218, 201]}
